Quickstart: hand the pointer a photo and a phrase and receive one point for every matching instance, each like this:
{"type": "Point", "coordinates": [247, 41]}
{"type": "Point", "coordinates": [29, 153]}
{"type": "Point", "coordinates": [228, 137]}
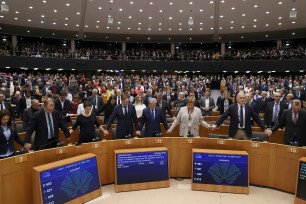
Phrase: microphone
{"type": "Point", "coordinates": [59, 144]}
{"type": "Point", "coordinates": [20, 152]}
{"type": "Point", "coordinates": [157, 134]}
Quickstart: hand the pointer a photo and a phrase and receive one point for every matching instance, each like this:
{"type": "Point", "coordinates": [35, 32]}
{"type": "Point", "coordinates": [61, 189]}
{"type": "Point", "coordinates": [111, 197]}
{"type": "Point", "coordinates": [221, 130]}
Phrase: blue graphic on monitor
{"type": "Point", "coordinates": [77, 181]}
{"type": "Point", "coordinates": [226, 173]}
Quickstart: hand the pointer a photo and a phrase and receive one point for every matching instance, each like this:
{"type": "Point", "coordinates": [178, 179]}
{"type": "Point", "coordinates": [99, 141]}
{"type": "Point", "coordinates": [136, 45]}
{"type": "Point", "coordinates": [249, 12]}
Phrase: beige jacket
{"type": "Point", "coordinates": [183, 119]}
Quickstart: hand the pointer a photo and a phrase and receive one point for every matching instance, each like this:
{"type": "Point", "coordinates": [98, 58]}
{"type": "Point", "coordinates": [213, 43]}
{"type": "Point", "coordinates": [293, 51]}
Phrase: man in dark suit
{"type": "Point", "coordinates": [46, 123]}
{"type": "Point", "coordinates": [240, 114]}
{"type": "Point", "coordinates": [262, 102]}
{"type": "Point", "coordinates": [163, 105]}
{"type": "Point", "coordinates": [225, 102]}
{"type": "Point", "coordinates": [152, 116]}
{"type": "Point", "coordinates": [28, 114]}
{"type": "Point", "coordinates": [299, 94]}
{"type": "Point", "coordinates": [25, 102]}
{"type": "Point", "coordinates": [125, 114]}
{"type": "Point", "coordinates": [118, 97]}
{"type": "Point", "coordinates": [46, 88]}
{"type": "Point", "coordinates": [294, 121]}
{"type": "Point", "coordinates": [96, 101]}
{"type": "Point", "coordinates": [274, 111]}
{"type": "Point", "coordinates": [62, 105]}
{"type": "Point", "coordinates": [4, 104]}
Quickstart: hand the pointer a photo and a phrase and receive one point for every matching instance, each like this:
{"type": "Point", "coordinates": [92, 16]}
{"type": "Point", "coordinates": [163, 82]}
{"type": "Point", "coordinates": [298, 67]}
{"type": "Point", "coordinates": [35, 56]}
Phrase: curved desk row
{"type": "Point", "coordinates": [271, 165]}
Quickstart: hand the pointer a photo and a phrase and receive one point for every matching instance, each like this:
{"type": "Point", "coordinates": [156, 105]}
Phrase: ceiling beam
{"type": "Point", "coordinates": [216, 25]}
{"type": "Point", "coordinates": [83, 13]}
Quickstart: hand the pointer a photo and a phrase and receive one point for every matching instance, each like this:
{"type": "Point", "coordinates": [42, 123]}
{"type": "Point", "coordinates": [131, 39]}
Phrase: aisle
{"type": "Point", "coordinates": [180, 192]}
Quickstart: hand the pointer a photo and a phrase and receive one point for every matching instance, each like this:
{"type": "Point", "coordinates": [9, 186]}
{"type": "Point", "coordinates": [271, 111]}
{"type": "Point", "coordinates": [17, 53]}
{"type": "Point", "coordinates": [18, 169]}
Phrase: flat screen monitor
{"type": "Point", "coordinates": [301, 185]}
{"type": "Point", "coordinates": [69, 181]}
{"type": "Point", "coordinates": [220, 169]}
{"type": "Point", "coordinates": [141, 167]}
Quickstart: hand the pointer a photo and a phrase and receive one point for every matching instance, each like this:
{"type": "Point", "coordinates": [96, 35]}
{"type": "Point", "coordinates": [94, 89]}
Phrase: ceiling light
{"type": "Point", "coordinates": [66, 19]}
{"type": "Point", "coordinates": [255, 20]}
{"type": "Point", "coordinates": [140, 10]}
{"type": "Point", "coordinates": [53, 33]}
{"type": "Point", "coordinates": [42, 22]}
{"type": "Point", "coordinates": [107, 27]}
{"type": "Point", "coordinates": [55, 11]}
{"type": "Point", "coordinates": [28, 31]}
{"type": "Point", "coordinates": [29, 20]}
{"type": "Point", "coordinates": [118, 28]}
{"type": "Point", "coordinates": [130, 16]}
{"type": "Point", "coordinates": [129, 28]}
{"type": "Point", "coordinates": [120, 9]}
{"type": "Point", "coordinates": [66, 24]}
{"type": "Point", "coordinates": [222, 1]}
{"type": "Point", "coordinates": [242, 37]}
{"type": "Point", "coordinates": [211, 2]}
{"type": "Point", "coordinates": [190, 38]}
{"type": "Point", "coordinates": [159, 23]}
{"type": "Point", "coordinates": [243, 14]}
{"type": "Point", "coordinates": [267, 12]}
{"type": "Point", "coordinates": [77, 25]}
{"type": "Point", "coordinates": [201, 28]}
{"type": "Point", "coordinates": [180, 24]}
{"type": "Point", "coordinates": [111, 1]}
{"type": "Point", "coordinates": [160, 11]}
{"type": "Point", "coordinates": [131, 2]}
{"type": "Point", "coordinates": [211, 28]}
{"type": "Point", "coordinates": [42, 16]}
{"type": "Point", "coordinates": [254, 26]}
{"type": "Point", "coordinates": [54, 23]}
{"type": "Point", "coordinates": [171, 3]}
{"type": "Point", "coordinates": [279, 18]}
{"type": "Point", "coordinates": [232, 27]}
{"type": "Point", "coordinates": [100, 8]}
{"type": "Point", "coordinates": [119, 22]}
{"type": "Point", "coordinates": [170, 18]}
{"type": "Point", "coordinates": [279, 23]}
{"type": "Point", "coordinates": [169, 28]}
{"type": "Point", "coordinates": [78, 13]}
{"type": "Point", "coordinates": [139, 23]}
{"type": "Point", "coordinates": [190, 28]}
{"type": "Point", "coordinates": [67, 4]}
{"type": "Point", "coordinates": [267, 25]}
{"type": "Point", "coordinates": [97, 26]}
{"type": "Point", "coordinates": [149, 38]}
{"type": "Point", "coordinates": [180, 28]}
{"type": "Point", "coordinates": [211, 16]}
{"type": "Point", "coordinates": [86, 26]}
{"type": "Point", "coordinates": [139, 28]}
{"type": "Point", "coordinates": [255, 6]}
{"type": "Point", "coordinates": [293, 33]}
{"type": "Point", "coordinates": [232, 22]}
{"type": "Point", "coordinates": [233, 8]}
{"type": "Point", "coordinates": [30, 7]}
{"type": "Point", "coordinates": [293, 9]}
{"type": "Point", "coordinates": [98, 21]}
{"type": "Point", "coordinates": [293, 22]}
{"type": "Point", "coordinates": [16, 18]}
{"type": "Point", "coordinates": [221, 16]}
{"type": "Point", "coordinates": [151, 3]}
{"type": "Point", "coordinates": [181, 11]}
{"type": "Point", "coordinates": [220, 28]}
{"type": "Point", "coordinates": [201, 23]}
{"type": "Point", "coordinates": [44, 1]}
{"type": "Point", "coordinates": [150, 17]}
{"type": "Point", "coordinates": [201, 10]}
{"type": "Point", "coordinates": [159, 29]}
{"type": "Point", "coordinates": [17, 12]}
{"type": "Point", "coordinates": [242, 27]}
{"type": "Point", "coordinates": [280, 3]}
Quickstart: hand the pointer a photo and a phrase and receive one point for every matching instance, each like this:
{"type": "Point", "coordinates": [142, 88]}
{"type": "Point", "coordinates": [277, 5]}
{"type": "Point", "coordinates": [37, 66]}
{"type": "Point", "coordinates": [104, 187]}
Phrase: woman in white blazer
{"type": "Point", "coordinates": [190, 118]}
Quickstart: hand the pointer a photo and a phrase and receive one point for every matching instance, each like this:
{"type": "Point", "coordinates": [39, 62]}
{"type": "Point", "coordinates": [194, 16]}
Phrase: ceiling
{"type": "Point", "coordinates": [156, 20]}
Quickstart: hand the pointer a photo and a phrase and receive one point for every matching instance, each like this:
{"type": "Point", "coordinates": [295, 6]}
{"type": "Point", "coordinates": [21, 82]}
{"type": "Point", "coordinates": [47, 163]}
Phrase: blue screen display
{"type": "Point", "coordinates": [65, 183]}
{"type": "Point", "coordinates": [142, 167]}
{"type": "Point", "coordinates": [220, 169]}
{"type": "Point", "coordinates": [301, 186]}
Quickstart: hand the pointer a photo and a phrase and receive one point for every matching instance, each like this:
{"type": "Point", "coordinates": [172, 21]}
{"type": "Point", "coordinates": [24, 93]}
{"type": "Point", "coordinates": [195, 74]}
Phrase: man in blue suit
{"type": "Point", "coordinates": [125, 114]}
{"type": "Point", "coordinates": [240, 124]}
{"type": "Point", "coordinates": [152, 117]}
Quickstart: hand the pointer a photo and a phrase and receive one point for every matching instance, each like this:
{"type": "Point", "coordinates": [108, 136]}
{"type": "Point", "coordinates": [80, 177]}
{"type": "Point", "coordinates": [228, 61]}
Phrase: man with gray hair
{"type": "Point", "coordinates": [180, 102]}
{"type": "Point", "coordinates": [152, 116]}
{"type": "Point", "coordinates": [96, 101]}
{"type": "Point", "coordinates": [293, 120]}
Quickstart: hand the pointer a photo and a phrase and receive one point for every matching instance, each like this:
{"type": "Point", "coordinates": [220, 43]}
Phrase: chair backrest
{"type": "Point", "coordinates": [210, 135]}
{"type": "Point", "coordinates": [259, 136]}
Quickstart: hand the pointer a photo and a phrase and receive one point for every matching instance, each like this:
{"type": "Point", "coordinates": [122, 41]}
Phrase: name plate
{"type": "Point", "coordinates": [21, 159]}
{"type": "Point", "coordinates": [255, 144]}
{"type": "Point", "coordinates": [95, 145]}
{"type": "Point", "coordinates": [293, 150]}
{"type": "Point", "coordinates": [221, 142]}
{"type": "Point", "coordinates": [189, 141]}
{"type": "Point", "coordinates": [159, 141]}
{"type": "Point", "coordinates": [128, 142]}
{"type": "Point", "coordinates": [60, 151]}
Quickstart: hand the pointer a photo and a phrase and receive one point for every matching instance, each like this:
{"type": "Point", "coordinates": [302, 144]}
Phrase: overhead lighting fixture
{"type": "Point", "coordinates": [131, 2]}
{"type": "Point", "coordinates": [190, 3]}
{"type": "Point", "coordinates": [201, 10]}
{"type": "Point", "coordinates": [42, 16]}
{"type": "Point", "coordinates": [17, 12]}
{"type": "Point", "coordinates": [66, 24]}
{"type": "Point", "coordinates": [233, 8]}
{"type": "Point", "coordinates": [255, 6]}
{"type": "Point", "coordinates": [171, 3]}
{"type": "Point", "coordinates": [160, 11]}
{"type": "Point", "coordinates": [120, 9]}
{"type": "Point", "coordinates": [67, 4]}
{"type": "Point", "coordinates": [243, 14]}
{"type": "Point", "coordinates": [30, 7]}
{"type": "Point", "coordinates": [29, 20]}
{"type": "Point", "coordinates": [55, 11]}
{"type": "Point", "coordinates": [280, 3]}
{"type": "Point", "coordinates": [140, 10]}
{"type": "Point", "coordinates": [100, 8]}
{"type": "Point", "coordinates": [267, 12]}
{"type": "Point", "coordinates": [190, 21]}
{"type": "Point", "coordinates": [78, 13]}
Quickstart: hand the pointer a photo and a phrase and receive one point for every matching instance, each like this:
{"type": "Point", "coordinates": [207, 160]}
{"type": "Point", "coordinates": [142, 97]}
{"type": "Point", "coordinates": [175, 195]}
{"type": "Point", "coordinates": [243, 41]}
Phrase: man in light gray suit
{"type": "Point", "coordinates": [96, 101]}
{"type": "Point", "coordinates": [28, 114]}
{"type": "Point", "coordinates": [207, 104]}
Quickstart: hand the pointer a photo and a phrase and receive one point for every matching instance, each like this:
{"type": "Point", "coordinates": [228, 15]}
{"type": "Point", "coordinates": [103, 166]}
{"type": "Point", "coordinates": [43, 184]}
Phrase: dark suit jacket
{"type": "Point", "coordinates": [232, 111]}
{"type": "Point", "coordinates": [22, 105]}
{"type": "Point", "coordinates": [261, 104]}
{"type": "Point", "coordinates": [8, 107]}
{"type": "Point", "coordinates": [9, 144]}
{"type": "Point", "coordinates": [125, 123]}
{"type": "Point", "coordinates": [221, 109]}
{"type": "Point", "coordinates": [152, 125]}
{"type": "Point", "coordinates": [293, 132]}
{"type": "Point", "coordinates": [27, 118]}
{"type": "Point", "coordinates": [58, 107]}
{"type": "Point", "coordinates": [301, 97]}
{"type": "Point", "coordinates": [39, 124]}
{"type": "Point", "coordinates": [107, 109]}
{"type": "Point", "coordinates": [100, 104]}
{"type": "Point", "coordinates": [165, 108]}
{"type": "Point", "coordinates": [268, 116]}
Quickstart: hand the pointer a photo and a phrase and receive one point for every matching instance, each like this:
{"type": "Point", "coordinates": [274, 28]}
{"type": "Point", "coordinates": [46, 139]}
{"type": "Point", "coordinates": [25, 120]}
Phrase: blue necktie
{"type": "Point", "coordinates": [241, 116]}
{"type": "Point", "coordinates": [50, 125]}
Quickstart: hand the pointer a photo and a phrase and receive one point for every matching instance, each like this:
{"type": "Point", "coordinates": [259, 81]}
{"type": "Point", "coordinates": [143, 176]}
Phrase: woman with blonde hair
{"type": "Point", "coordinates": [139, 106]}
